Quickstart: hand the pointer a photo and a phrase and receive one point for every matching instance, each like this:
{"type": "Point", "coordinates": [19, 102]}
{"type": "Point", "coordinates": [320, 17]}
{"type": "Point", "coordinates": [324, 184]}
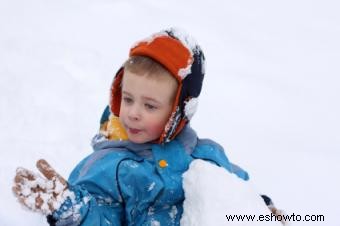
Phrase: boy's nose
{"type": "Point", "coordinates": [134, 113]}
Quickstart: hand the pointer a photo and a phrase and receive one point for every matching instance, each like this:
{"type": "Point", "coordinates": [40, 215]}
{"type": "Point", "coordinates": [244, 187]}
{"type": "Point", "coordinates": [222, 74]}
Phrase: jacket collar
{"type": "Point", "coordinates": [187, 137]}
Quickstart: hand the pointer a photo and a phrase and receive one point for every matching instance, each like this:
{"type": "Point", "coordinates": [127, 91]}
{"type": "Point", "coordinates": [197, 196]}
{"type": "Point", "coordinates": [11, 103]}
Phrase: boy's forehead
{"type": "Point", "coordinates": [152, 86]}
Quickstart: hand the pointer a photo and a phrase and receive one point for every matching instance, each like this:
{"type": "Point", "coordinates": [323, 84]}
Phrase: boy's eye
{"type": "Point", "coordinates": [150, 107]}
{"type": "Point", "coordinates": [127, 100]}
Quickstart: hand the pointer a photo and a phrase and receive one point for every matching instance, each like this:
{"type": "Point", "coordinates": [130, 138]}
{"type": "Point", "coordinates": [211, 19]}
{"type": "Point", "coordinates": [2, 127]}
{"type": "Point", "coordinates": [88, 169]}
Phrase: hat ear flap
{"type": "Point", "coordinates": [116, 92]}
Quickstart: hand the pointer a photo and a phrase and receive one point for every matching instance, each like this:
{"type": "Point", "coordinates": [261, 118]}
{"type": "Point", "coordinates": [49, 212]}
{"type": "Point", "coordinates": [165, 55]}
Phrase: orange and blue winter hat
{"type": "Point", "coordinates": [184, 59]}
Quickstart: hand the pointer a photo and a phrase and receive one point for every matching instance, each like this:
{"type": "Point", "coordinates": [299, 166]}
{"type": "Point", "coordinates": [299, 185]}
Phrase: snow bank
{"type": "Point", "coordinates": [211, 193]}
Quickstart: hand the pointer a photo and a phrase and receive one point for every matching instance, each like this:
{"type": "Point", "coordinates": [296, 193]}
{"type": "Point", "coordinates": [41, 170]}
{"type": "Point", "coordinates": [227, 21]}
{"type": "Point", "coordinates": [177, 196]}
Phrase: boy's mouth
{"type": "Point", "coordinates": [134, 131]}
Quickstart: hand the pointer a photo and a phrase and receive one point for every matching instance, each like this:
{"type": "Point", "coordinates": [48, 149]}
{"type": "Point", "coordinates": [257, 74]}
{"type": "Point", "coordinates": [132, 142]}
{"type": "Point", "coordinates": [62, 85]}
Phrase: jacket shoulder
{"type": "Point", "coordinates": [207, 149]}
{"type": "Point", "coordinates": [212, 151]}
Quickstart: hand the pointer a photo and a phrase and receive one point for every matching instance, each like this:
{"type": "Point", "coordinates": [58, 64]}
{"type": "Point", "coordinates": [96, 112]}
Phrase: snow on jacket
{"type": "Point", "coordinates": [123, 183]}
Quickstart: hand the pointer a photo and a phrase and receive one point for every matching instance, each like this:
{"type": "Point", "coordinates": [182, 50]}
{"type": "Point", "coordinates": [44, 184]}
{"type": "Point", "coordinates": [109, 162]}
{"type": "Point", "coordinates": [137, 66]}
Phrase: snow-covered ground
{"type": "Point", "coordinates": [271, 94]}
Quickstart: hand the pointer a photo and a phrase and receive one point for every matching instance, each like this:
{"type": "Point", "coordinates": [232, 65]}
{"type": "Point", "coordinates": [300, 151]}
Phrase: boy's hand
{"type": "Point", "coordinates": [40, 193]}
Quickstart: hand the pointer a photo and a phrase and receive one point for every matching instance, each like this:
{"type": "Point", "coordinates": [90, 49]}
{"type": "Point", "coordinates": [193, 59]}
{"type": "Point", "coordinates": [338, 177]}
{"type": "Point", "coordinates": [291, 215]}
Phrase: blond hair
{"type": "Point", "coordinates": [143, 65]}
{"type": "Point", "coordinates": [146, 66]}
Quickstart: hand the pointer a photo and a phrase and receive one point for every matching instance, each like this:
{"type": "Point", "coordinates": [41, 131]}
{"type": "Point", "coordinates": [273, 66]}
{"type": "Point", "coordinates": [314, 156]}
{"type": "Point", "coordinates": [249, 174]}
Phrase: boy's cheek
{"type": "Point", "coordinates": [122, 114]}
{"type": "Point", "coordinates": [156, 127]}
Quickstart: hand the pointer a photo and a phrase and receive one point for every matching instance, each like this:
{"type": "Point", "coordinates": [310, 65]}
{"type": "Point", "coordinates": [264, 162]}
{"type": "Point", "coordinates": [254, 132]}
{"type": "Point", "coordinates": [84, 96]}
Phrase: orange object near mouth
{"type": "Point", "coordinates": [113, 129]}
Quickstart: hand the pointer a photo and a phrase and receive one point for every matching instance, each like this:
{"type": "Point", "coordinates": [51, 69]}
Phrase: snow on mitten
{"type": "Point", "coordinates": [39, 193]}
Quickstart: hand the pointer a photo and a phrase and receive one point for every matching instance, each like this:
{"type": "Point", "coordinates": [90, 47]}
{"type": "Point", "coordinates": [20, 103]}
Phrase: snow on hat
{"type": "Point", "coordinates": [184, 59]}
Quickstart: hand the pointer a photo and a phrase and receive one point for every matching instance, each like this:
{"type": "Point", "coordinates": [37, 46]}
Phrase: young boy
{"type": "Point", "coordinates": [138, 180]}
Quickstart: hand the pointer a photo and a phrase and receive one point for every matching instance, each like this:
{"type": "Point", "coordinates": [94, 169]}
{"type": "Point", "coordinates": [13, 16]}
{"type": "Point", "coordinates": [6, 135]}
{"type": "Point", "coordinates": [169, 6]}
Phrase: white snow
{"type": "Point", "coordinates": [191, 44]}
{"type": "Point", "coordinates": [183, 72]}
{"type": "Point", "coordinates": [173, 213]}
{"type": "Point", "coordinates": [188, 40]}
{"type": "Point", "coordinates": [150, 38]}
{"type": "Point", "coordinates": [270, 96]}
{"type": "Point", "coordinates": [211, 193]}
{"type": "Point", "coordinates": [191, 107]}
{"type": "Point", "coordinates": [152, 185]}
{"type": "Point", "coordinates": [155, 223]}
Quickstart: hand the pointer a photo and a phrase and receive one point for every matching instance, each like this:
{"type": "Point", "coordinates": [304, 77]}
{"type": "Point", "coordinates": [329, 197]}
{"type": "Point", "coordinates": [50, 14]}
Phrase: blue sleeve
{"type": "Point", "coordinates": [86, 210]}
{"type": "Point", "coordinates": [97, 199]}
{"type": "Point", "coordinates": [211, 151]}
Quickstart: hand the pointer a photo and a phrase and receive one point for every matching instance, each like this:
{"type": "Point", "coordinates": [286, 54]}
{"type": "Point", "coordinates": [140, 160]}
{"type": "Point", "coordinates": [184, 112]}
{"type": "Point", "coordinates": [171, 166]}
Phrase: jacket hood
{"type": "Point", "coordinates": [184, 59]}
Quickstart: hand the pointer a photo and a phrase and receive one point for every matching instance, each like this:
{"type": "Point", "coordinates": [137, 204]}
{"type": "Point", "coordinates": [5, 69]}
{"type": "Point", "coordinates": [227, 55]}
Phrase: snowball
{"type": "Point", "coordinates": [211, 192]}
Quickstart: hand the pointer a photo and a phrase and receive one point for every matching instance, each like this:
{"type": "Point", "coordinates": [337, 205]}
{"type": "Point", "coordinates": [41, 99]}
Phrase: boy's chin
{"type": "Point", "coordinates": [137, 140]}
{"type": "Point", "coordinates": [141, 140]}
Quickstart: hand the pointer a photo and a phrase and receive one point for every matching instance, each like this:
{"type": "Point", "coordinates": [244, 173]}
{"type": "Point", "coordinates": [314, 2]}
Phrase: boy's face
{"type": "Point", "coordinates": [146, 105]}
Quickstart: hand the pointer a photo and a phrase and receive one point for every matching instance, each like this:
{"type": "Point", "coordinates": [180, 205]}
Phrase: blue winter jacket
{"type": "Point", "coordinates": [123, 183]}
